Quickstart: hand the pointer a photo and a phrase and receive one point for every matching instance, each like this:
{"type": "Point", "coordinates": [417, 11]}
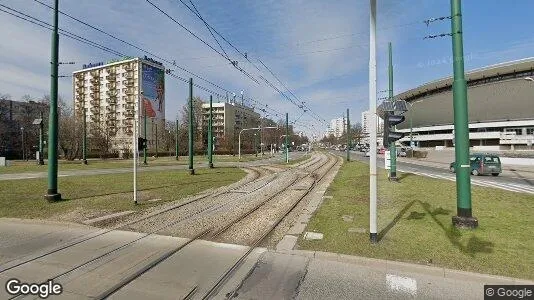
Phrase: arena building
{"type": "Point", "coordinates": [501, 109]}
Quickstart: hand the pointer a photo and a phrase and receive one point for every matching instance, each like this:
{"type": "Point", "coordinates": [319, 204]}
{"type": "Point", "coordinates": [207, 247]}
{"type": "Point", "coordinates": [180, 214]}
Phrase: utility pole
{"type": "Point", "coordinates": [84, 141]}
{"type": "Point", "coordinates": [177, 135]}
{"type": "Point", "coordinates": [135, 146]}
{"type": "Point", "coordinates": [287, 138]}
{"type": "Point", "coordinates": [392, 148]}
{"type": "Point", "coordinates": [41, 139]}
{"type": "Point", "coordinates": [191, 140]}
{"type": "Point", "coordinates": [464, 217]}
{"type": "Point", "coordinates": [348, 136]}
{"type": "Point", "coordinates": [145, 137]}
{"type": "Point", "coordinates": [52, 192]}
{"type": "Point", "coordinates": [210, 134]}
{"type": "Point", "coordinates": [372, 130]}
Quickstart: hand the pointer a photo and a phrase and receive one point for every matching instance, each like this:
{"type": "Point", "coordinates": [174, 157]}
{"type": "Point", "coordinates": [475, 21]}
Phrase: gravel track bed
{"type": "Point", "coordinates": [284, 226]}
{"type": "Point", "coordinates": [248, 230]}
{"type": "Point", "coordinates": [226, 210]}
{"type": "Point", "coordinates": [253, 226]}
{"type": "Point", "coordinates": [201, 206]}
{"type": "Point", "coordinates": [231, 210]}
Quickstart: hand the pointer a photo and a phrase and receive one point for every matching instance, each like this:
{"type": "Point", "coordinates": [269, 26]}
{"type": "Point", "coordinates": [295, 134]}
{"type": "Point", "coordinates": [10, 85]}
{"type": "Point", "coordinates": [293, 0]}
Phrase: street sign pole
{"type": "Point", "coordinates": [464, 216]}
{"type": "Point", "coordinates": [287, 138]}
{"type": "Point", "coordinates": [210, 135]}
{"type": "Point", "coordinates": [191, 139]}
{"type": "Point", "coordinates": [52, 192]}
{"type": "Point", "coordinates": [392, 148]}
{"type": "Point", "coordinates": [348, 136]}
{"type": "Point", "coordinates": [372, 130]}
{"type": "Point", "coordinates": [177, 135]}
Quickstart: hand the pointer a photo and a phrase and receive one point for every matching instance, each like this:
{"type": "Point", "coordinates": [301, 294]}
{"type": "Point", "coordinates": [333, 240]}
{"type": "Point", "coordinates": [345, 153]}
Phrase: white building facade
{"type": "Point", "coordinates": [111, 94]}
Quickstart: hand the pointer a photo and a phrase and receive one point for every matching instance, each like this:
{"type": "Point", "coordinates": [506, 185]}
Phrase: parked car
{"type": "Point", "coordinates": [482, 164]}
{"type": "Point", "coordinates": [381, 151]}
{"type": "Point", "coordinates": [401, 153]}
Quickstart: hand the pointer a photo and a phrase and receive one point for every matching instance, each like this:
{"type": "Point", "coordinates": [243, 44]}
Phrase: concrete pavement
{"type": "Point", "coordinates": [264, 275]}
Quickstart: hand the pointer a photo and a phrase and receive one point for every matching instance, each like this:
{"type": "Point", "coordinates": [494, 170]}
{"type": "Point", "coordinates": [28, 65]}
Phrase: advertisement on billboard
{"type": "Point", "coordinates": [153, 87]}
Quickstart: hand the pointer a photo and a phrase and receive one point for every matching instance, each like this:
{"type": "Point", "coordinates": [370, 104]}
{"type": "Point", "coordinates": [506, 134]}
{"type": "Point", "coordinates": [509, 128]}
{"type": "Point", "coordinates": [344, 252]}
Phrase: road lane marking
{"type": "Point", "coordinates": [401, 284]}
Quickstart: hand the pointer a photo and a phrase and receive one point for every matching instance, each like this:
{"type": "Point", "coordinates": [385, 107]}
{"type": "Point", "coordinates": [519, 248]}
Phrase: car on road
{"type": "Point", "coordinates": [381, 151]}
{"type": "Point", "coordinates": [482, 164]}
{"type": "Point", "coordinates": [401, 152]}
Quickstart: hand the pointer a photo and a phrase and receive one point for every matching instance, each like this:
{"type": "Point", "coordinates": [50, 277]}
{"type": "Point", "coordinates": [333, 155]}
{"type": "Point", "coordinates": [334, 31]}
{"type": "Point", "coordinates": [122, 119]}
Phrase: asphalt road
{"type": "Point", "coordinates": [505, 182]}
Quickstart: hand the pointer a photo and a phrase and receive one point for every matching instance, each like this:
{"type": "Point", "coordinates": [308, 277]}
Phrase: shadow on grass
{"type": "Point", "coordinates": [473, 246]}
{"type": "Point", "coordinates": [131, 191]}
{"type": "Point", "coordinates": [414, 215]}
{"type": "Point", "coordinates": [530, 182]}
{"type": "Point", "coordinates": [395, 220]}
{"type": "Point", "coordinates": [404, 175]}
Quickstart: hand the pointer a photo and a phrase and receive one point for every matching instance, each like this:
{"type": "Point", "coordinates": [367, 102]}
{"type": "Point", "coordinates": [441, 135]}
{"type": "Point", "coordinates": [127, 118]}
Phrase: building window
{"type": "Point", "coordinates": [530, 131]}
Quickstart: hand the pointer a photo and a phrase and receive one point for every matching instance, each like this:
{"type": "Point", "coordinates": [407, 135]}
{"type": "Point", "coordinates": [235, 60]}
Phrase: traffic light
{"type": "Point", "coordinates": [391, 120]}
{"type": "Point", "coordinates": [141, 143]}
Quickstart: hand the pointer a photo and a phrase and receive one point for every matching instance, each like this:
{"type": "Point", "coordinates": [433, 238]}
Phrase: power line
{"type": "Point", "coordinates": [204, 42]}
{"type": "Point", "coordinates": [134, 46]}
{"type": "Point", "coordinates": [40, 23]}
{"type": "Point", "coordinates": [210, 28]}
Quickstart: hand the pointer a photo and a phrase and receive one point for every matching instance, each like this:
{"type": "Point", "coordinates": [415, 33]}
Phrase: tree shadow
{"type": "Point", "coordinates": [473, 246]}
{"type": "Point", "coordinates": [404, 175]}
{"type": "Point", "coordinates": [414, 215]}
{"type": "Point", "coordinates": [395, 220]}
{"type": "Point", "coordinates": [528, 181]}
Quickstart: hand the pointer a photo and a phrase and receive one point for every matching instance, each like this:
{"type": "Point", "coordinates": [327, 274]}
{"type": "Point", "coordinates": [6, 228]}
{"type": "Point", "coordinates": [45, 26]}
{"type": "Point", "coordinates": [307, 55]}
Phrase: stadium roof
{"type": "Point", "coordinates": [511, 67]}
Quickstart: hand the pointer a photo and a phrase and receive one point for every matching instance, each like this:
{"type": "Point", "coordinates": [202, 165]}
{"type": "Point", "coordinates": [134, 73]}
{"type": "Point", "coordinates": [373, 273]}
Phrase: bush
{"type": "Point", "coordinates": [420, 154]}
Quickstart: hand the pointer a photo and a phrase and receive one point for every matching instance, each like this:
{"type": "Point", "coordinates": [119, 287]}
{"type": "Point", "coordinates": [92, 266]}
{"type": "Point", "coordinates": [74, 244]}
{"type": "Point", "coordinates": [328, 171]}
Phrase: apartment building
{"type": "Point", "coordinates": [229, 118]}
{"type": "Point", "coordinates": [112, 94]}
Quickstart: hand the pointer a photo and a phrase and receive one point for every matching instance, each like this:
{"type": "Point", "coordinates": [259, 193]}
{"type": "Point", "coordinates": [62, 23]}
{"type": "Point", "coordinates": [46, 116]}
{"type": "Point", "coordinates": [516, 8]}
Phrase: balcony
{"type": "Point", "coordinates": [112, 93]}
{"type": "Point", "coordinates": [79, 83]}
{"type": "Point", "coordinates": [127, 67]}
{"type": "Point", "coordinates": [95, 95]}
{"type": "Point", "coordinates": [128, 114]}
{"type": "Point", "coordinates": [128, 99]}
{"type": "Point", "coordinates": [95, 73]}
{"type": "Point", "coordinates": [129, 83]}
{"type": "Point", "coordinates": [129, 91]}
{"type": "Point", "coordinates": [80, 97]}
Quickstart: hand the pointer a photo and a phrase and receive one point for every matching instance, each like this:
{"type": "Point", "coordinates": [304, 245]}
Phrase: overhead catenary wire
{"type": "Point", "coordinates": [120, 54]}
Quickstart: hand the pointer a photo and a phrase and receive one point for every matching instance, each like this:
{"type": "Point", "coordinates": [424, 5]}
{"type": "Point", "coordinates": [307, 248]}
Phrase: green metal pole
{"type": "Point", "coordinates": [52, 192]}
{"type": "Point", "coordinates": [191, 140]}
{"type": "Point", "coordinates": [177, 135]}
{"type": "Point", "coordinates": [392, 148]}
{"type": "Point", "coordinates": [348, 136]}
{"type": "Point", "coordinates": [144, 125]}
{"type": "Point", "coordinates": [41, 139]}
{"type": "Point", "coordinates": [287, 138]}
{"type": "Point", "coordinates": [461, 124]}
{"type": "Point", "coordinates": [210, 134]}
{"type": "Point", "coordinates": [84, 141]}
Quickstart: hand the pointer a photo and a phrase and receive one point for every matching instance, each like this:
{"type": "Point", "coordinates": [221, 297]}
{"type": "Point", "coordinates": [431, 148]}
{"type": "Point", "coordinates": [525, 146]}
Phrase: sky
{"type": "Point", "coordinates": [318, 49]}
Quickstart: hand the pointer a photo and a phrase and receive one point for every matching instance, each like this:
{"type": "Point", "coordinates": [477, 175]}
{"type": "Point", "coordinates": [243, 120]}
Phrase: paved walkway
{"type": "Point", "coordinates": [66, 173]}
{"type": "Point", "coordinates": [263, 275]}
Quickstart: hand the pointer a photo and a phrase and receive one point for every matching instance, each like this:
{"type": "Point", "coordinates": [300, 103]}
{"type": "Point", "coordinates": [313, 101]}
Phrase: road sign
{"type": "Point", "coordinates": [387, 162]}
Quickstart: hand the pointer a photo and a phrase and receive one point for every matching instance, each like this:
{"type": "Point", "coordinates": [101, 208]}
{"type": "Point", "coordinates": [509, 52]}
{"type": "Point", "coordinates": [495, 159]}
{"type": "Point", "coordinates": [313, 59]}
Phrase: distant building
{"type": "Point", "coordinates": [337, 127]}
{"type": "Point", "coordinates": [111, 94]}
{"type": "Point", "coordinates": [366, 119]}
{"type": "Point", "coordinates": [16, 118]}
{"type": "Point", "coordinates": [229, 118]}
